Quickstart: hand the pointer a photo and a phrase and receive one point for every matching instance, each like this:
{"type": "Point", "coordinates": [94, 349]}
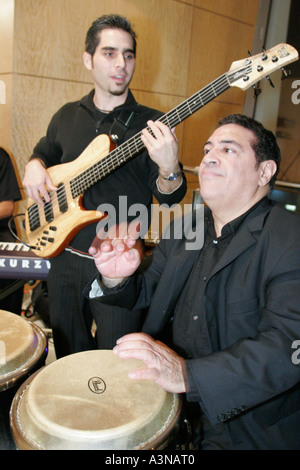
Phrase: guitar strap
{"type": "Point", "coordinates": [120, 125]}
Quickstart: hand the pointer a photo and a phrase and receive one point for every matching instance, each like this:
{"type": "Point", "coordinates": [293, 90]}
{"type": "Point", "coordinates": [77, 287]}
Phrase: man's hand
{"type": "Point", "coordinates": [37, 181]}
{"type": "Point", "coordinates": [164, 366]}
{"type": "Point", "coordinates": [117, 253]}
{"type": "Point", "coordinates": [162, 146]}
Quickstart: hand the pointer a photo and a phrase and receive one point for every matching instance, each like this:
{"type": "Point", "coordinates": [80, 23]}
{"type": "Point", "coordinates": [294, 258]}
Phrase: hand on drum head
{"type": "Point", "coordinates": [118, 252]}
{"type": "Point", "coordinates": [164, 366]}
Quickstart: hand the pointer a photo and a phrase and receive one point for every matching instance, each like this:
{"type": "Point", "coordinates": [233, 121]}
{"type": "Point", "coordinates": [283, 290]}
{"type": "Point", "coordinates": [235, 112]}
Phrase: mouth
{"type": "Point", "coordinates": [120, 78]}
{"type": "Point", "coordinates": [209, 174]}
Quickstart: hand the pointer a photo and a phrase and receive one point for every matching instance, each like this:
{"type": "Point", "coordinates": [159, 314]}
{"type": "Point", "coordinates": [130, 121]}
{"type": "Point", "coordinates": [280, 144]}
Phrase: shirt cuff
{"type": "Point", "coordinates": [192, 391]}
{"type": "Point", "coordinates": [171, 192]}
{"type": "Point", "coordinates": [95, 290]}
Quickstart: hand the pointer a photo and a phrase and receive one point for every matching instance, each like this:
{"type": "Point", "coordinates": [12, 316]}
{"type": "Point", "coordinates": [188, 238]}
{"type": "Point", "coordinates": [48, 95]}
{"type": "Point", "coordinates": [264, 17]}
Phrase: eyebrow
{"type": "Point", "coordinates": [227, 141]}
{"type": "Point", "coordinates": [110, 48]}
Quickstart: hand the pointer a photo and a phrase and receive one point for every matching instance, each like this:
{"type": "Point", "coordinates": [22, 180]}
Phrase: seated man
{"type": "Point", "coordinates": [229, 311]}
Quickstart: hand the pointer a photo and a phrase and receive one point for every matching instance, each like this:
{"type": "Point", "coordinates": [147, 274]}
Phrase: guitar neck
{"type": "Point", "coordinates": [134, 145]}
{"type": "Point", "coordinates": [195, 102]}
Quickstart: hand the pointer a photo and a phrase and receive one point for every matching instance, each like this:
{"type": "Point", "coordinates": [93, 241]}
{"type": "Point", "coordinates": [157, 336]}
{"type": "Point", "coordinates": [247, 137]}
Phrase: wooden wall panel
{"type": "Point", "coordinates": [241, 10]}
{"type": "Point", "coordinates": [37, 99]}
{"type": "Point", "coordinates": [6, 111]}
{"type": "Point", "coordinates": [6, 69]}
{"type": "Point", "coordinates": [222, 41]}
{"type": "Point", "coordinates": [164, 32]}
{"type": "Point", "coordinates": [6, 35]}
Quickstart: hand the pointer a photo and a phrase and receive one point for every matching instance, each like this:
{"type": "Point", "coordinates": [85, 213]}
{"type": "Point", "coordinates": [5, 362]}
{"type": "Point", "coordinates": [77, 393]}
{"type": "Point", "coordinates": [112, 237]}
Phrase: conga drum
{"type": "Point", "coordinates": [23, 350]}
{"type": "Point", "coordinates": [86, 401]}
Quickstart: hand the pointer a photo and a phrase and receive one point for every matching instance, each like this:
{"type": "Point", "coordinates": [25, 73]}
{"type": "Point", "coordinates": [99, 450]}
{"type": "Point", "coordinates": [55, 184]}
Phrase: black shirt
{"type": "Point", "coordinates": [9, 189]}
{"type": "Point", "coordinates": [190, 334]}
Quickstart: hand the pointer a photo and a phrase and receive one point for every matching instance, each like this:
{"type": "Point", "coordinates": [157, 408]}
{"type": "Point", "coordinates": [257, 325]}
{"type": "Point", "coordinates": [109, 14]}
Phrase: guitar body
{"type": "Point", "coordinates": [52, 236]}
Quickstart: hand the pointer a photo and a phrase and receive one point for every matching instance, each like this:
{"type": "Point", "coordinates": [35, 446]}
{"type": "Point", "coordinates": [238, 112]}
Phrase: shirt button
{"type": "Point", "coordinates": [195, 317]}
{"type": "Point", "coordinates": [204, 278]}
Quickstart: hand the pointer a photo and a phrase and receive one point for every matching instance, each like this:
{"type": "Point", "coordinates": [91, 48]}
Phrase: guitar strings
{"type": "Point", "coordinates": [131, 147]}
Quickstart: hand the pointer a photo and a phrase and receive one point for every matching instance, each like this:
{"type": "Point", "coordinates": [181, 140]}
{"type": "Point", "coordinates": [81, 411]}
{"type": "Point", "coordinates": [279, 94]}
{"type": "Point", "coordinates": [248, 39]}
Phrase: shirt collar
{"type": "Point", "coordinates": [88, 101]}
{"type": "Point", "coordinates": [233, 226]}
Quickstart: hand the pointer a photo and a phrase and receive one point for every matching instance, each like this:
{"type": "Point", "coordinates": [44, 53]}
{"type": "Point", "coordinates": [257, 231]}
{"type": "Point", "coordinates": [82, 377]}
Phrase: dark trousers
{"type": "Point", "coordinates": [72, 314]}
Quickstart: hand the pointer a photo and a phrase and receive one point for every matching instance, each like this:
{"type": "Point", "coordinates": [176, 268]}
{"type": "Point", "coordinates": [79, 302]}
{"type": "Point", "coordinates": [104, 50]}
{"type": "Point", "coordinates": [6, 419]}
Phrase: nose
{"type": "Point", "coordinates": [210, 158]}
{"type": "Point", "coordinates": [120, 61]}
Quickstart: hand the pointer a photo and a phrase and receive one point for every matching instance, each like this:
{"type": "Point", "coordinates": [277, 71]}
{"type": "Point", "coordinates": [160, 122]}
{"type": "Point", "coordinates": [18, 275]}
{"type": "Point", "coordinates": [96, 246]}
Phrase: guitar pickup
{"type": "Point", "coordinates": [48, 211]}
{"type": "Point", "coordinates": [34, 217]}
{"type": "Point", "coordinates": [62, 198]}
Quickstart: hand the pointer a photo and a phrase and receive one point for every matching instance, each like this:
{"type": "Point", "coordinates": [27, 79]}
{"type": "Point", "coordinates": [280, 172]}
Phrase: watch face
{"type": "Point", "coordinates": [173, 176]}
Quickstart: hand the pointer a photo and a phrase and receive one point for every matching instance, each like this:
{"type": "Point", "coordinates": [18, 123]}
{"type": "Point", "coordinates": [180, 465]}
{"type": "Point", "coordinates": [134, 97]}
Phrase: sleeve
{"type": "Point", "coordinates": [175, 196]}
{"type": "Point", "coordinates": [136, 291]}
{"type": "Point", "coordinates": [9, 189]}
{"type": "Point", "coordinates": [46, 149]}
{"type": "Point", "coordinates": [254, 370]}
{"type": "Point", "coordinates": [163, 198]}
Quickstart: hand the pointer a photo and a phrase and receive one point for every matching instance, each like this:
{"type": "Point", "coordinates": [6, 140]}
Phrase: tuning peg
{"type": "Point", "coordinates": [285, 73]}
{"type": "Point", "coordinates": [270, 81]}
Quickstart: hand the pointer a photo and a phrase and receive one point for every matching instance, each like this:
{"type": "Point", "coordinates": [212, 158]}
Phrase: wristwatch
{"type": "Point", "coordinates": [172, 176]}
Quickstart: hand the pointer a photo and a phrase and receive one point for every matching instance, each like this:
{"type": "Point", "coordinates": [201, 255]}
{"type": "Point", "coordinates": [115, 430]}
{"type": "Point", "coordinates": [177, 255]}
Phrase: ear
{"type": "Point", "coordinates": [88, 60]}
{"type": "Point", "coordinates": [267, 170]}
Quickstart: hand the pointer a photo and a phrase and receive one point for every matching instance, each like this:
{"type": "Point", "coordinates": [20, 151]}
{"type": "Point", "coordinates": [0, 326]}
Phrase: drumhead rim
{"type": "Point", "coordinates": [12, 378]}
{"type": "Point", "coordinates": [156, 436]}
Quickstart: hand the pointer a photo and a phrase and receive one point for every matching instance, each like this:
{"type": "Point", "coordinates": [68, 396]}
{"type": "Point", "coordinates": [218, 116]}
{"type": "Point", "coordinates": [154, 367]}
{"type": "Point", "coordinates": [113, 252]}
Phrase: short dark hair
{"type": "Point", "coordinates": [264, 146]}
{"type": "Point", "coordinates": [107, 22]}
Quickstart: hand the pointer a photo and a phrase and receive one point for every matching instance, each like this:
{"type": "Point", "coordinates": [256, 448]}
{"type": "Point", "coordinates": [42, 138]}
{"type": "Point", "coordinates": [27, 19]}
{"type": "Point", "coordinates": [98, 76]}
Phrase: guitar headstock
{"type": "Point", "coordinates": [246, 72]}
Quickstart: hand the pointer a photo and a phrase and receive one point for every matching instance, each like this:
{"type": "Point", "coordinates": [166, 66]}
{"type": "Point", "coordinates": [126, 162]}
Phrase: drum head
{"type": "Point", "coordinates": [87, 401]}
{"type": "Point", "coordinates": [21, 345]}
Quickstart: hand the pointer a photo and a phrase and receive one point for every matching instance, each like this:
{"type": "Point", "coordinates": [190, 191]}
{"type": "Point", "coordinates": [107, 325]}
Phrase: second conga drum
{"type": "Point", "coordinates": [86, 401]}
{"type": "Point", "coordinates": [23, 350]}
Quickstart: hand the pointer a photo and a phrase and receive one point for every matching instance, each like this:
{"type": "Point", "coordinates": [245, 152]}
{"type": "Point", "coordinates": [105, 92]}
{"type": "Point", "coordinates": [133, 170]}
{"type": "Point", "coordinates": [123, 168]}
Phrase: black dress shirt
{"type": "Point", "coordinates": [190, 336]}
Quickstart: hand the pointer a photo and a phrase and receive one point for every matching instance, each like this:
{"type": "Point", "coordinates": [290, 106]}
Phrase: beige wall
{"type": "Point", "coordinates": [182, 46]}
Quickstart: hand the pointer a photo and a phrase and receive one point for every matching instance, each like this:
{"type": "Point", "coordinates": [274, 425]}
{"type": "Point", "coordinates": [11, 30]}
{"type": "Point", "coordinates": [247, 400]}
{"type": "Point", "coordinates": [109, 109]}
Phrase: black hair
{"type": "Point", "coordinates": [107, 22]}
